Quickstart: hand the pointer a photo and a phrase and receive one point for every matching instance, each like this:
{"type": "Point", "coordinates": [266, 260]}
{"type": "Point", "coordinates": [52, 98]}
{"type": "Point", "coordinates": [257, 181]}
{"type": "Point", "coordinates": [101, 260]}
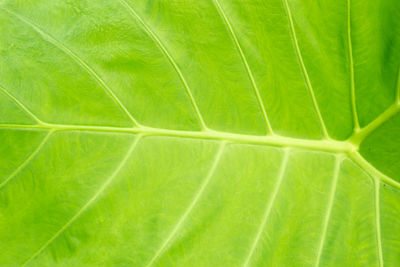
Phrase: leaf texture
{"type": "Point", "coordinates": [199, 133]}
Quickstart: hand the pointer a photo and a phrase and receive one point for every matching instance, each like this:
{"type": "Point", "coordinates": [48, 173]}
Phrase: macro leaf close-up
{"type": "Point", "coordinates": [199, 133]}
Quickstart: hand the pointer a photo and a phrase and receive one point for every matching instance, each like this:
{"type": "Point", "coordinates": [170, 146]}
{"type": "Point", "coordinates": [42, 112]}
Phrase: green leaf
{"type": "Point", "coordinates": [199, 133]}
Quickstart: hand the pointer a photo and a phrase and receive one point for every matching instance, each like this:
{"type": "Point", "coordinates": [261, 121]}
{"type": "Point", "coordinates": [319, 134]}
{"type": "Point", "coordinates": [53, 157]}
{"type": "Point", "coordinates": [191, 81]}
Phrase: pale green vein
{"type": "Point", "coordinates": [359, 136]}
{"type": "Point", "coordinates": [378, 221]}
{"type": "Point", "coordinates": [329, 210]}
{"type": "Point", "coordinates": [279, 141]}
{"type": "Point", "coordinates": [77, 59]}
{"type": "Point", "coordinates": [352, 85]}
{"type": "Point", "coordinates": [90, 202]}
{"type": "Point", "coordinates": [276, 140]}
{"type": "Point", "coordinates": [28, 160]}
{"type": "Point", "coordinates": [192, 204]}
{"type": "Point", "coordinates": [246, 64]}
{"type": "Point", "coordinates": [398, 88]}
{"type": "Point", "coordinates": [158, 42]}
{"type": "Point", "coordinates": [303, 67]}
{"type": "Point", "coordinates": [19, 104]}
{"type": "Point", "coordinates": [371, 170]}
{"type": "Point", "coordinates": [269, 206]}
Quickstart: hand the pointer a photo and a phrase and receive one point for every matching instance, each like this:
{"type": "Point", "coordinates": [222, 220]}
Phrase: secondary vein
{"type": "Point", "coordinates": [329, 210]}
{"type": "Point", "coordinates": [88, 203]}
{"type": "Point", "coordinates": [192, 204]}
{"type": "Point", "coordinates": [398, 88]}
{"type": "Point", "coordinates": [76, 58]}
{"type": "Point", "coordinates": [371, 170]}
{"type": "Point", "coordinates": [303, 67]}
{"type": "Point", "coordinates": [269, 206]}
{"type": "Point", "coordinates": [246, 64]}
{"type": "Point", "coordinates": [20, 104]}
{"type": "Point", "coordinates": [356, 122]}
{"type": "Point", "coordinates": [359, 136]}
{"type": "Point", "coordinates": [378, 222]}
{"type": "Point", "coordinates": [28, 159]}
{"type": "Point", "coordinates": [158, 42]}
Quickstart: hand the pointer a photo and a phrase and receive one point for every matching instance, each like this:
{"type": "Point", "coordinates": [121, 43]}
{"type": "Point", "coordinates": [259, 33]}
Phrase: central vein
{"type": "Point", "coordinates": [274, 140]}
{"type": "Point", "coordinates": [327, 145]}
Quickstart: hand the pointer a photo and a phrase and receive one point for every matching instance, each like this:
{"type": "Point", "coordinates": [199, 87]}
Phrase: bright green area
{"type": "Point", "coordinates": [199, 133]}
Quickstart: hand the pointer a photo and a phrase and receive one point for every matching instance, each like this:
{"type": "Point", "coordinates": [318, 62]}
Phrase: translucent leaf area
{"type": "Point", "coordinates": [199, 133]}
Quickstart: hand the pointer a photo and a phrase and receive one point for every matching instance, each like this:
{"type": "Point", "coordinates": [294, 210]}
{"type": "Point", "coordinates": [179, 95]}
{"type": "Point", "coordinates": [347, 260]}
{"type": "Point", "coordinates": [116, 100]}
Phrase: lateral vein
{"type": "Point", "coordinates": [378, 221]}
{"type": "Point", "coordinates": [303, 67]}
{"type": "Point", "coordinates": [398, 88]}
{"type": "Point", "coordinates": [371, 170]}
{"type": "Point", "coordinates": [192, 204]}
{"type": "Point", "coordinates": [269, 206]}
{"type": "Point", "coordinates": [158, 42]}
{"type": "Point", "coordinates": [364, 132]}
{"type": "Point", "coordinates": [89, 202]}
{"type": "Point", "coordinates": [20, 104]}
{"type": "Point", "coordinates": [77, 59]}
{"type": "Point", "coordinates": [28, 160]}
{"type": "Point", "coordinates": [352, 84]}
{"type": "Point", "coordinates": [246, 64]}
{"type": "Point", "coordinates": [329, 210]}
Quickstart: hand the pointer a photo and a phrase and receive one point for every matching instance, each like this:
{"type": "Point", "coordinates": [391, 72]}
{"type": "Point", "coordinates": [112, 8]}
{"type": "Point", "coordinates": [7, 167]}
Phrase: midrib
{"type": "Point", "coordinates": [347, 147]}
{"type": "Point", "coordinates": [272, 140]}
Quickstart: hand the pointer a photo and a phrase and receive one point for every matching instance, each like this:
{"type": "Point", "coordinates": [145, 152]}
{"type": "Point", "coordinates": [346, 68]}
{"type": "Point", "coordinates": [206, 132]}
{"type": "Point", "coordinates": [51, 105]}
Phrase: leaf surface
{"type": "Point", "coordinates": [199, 133]}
